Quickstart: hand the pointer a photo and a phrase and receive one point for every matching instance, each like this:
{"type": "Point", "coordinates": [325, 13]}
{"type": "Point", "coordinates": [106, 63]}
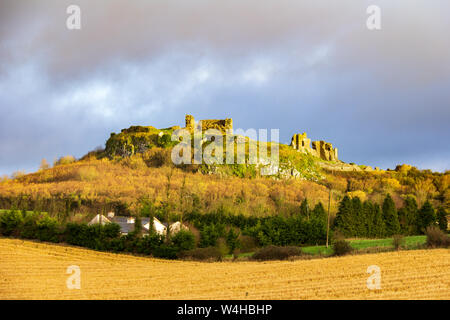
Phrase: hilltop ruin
{"type": "Point", "coordinates": [321, 149]}
{"type": "Point", "coordinates": [223, 125]}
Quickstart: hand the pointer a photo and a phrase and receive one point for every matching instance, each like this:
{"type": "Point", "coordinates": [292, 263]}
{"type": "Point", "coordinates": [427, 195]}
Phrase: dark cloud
{"type": "Point", "coordinates": [380, 96]}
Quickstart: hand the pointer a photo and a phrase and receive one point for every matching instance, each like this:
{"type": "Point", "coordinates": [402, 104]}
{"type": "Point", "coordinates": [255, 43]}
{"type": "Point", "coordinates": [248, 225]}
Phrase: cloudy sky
{"type": "Point", "coordinates": [382, 97]}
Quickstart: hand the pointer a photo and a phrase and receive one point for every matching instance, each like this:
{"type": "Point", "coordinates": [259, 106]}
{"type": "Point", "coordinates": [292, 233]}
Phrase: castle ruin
{"type": "Point", "coordinates": [223, 125]}
{"type": "Point", "coordinates": [321, 149]}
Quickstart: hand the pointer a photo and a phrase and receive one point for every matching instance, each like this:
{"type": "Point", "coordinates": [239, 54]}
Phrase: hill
{"type": "Point", "coordinates": [135, 170]}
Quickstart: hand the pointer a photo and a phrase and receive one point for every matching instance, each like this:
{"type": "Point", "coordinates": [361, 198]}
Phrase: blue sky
{"type": "Point", "coordinates": [381, 97]}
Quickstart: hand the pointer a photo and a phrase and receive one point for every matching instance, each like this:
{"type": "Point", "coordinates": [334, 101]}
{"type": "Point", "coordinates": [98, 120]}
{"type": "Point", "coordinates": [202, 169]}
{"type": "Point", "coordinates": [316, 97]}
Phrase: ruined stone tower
{"type": "Point", "coordinates": [223, 125]}
{"type": "Point", "coordinates": [320, 149]}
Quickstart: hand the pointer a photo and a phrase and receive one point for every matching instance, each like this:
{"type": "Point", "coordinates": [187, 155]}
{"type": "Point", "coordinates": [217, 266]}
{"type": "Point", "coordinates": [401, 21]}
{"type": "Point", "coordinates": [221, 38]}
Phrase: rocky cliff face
{"type": "Point", "coordinates": [138, 139]}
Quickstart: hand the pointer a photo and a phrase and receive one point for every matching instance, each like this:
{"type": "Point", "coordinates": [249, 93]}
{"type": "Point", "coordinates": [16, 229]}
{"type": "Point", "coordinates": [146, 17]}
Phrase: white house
{"type": "Point", "coordinates": [127, 224]}
{"type": "Point", "coordinates": [158, 226]}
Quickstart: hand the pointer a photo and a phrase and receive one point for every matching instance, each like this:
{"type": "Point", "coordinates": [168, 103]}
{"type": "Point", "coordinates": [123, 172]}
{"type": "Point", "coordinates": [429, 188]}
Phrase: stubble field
{"type": "Point", "coordinates": [33, 270]}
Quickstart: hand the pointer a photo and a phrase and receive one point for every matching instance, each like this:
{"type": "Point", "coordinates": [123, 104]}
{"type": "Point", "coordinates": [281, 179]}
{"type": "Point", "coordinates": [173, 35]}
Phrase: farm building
{"type": "Point", "coordinates": [127, 224]}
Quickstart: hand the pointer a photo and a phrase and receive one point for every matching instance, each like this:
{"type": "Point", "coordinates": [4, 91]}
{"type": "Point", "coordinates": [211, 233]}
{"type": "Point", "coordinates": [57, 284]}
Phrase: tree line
{"type": "Point", "coordinates": [366, 219]}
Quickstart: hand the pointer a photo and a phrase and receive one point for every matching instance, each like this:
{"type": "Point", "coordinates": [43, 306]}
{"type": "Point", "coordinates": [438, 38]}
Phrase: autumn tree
{"type": "Point", "coordinates": [44, 165]}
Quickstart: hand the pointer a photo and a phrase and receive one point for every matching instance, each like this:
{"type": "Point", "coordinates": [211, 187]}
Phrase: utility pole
{"type": "Point", "coordinates": [328, 216]}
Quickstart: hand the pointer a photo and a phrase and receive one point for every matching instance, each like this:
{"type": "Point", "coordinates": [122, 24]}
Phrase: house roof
{"type": "Point", "coordinates": [126, 227]}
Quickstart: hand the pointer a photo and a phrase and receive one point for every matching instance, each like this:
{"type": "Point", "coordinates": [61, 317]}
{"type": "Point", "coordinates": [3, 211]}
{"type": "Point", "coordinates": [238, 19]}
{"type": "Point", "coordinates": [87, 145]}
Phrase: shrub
{"type": "Point", "coordinates": [134, 162]}
{"type": "Point", "coordinates": [209, 253]}
{"type": "Point", "coordinates": [29, 226]}
{"type": "Point", "coordinates": [436, 237]}
{"type": "Point", "coordinates": [165, 251]}
{"type": "Point", "coordinates": [64, 160]}
{"type": "Point", "coordinates": [148, 244]}
{"type": "Point", "coordinates": [87, 173]}
{"type": "Point", "coordinates": [10, 222]}
{"type": "Point", "coordinates": [341, 247]}
{"type": "Point", "coordinates": [183, 240]}
{"type": "Point", "coordinates": [223, 248]}
{"type": "Point", "coordinates": [276, 253]}
{"type": "Point", "coordinates": [158, 157]}
{"type": "Point", "coordinates": [248, 243]}
{"type": "Point", "coordinates": [398, 241]}
{"type": "Point", "coordinates": [47, 229]}
{"type": "Point", "coordinates": [95, 237]}
{"type": "Point", "coordinates": [18, 174]}
{"type": "Point", "coordinates": [77, 234]}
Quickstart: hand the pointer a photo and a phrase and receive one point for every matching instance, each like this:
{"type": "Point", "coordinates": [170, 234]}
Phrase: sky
{"type": "Point", "coordinates": [382, 97]}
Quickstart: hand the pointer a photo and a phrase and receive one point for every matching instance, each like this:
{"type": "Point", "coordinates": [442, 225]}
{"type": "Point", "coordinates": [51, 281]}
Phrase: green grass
{"type": "Point", "coordinates": [358, 244]}
{"type": "Point", "coordinates": [7, 210]}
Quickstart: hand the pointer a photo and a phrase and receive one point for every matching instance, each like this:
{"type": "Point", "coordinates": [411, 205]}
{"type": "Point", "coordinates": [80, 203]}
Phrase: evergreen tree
{"type": "Point", "coordinates": [407, 216]}
{"type": "Point", "coordinates": [344, 216]}
{"type": "Point", "coordinates": [426, 217]}
{"type": "Point", "coordinates": [367, 209]}
{"type": "Point", "coordinates": [319, 212]}
{"type": "Point", "coordinates": [358, 218]}
{"type": "Point", "coordinates": [378, 227]}
{"type": "Point", "coordinates": [442, 219]}
{"type": "Point", "coordinates": [390, 217]}
{"type": "Point", "coordinates": [304, 209]}
{"type": "Point", "coordinates": [233, 240]}
{"type": "Point", "coordinates": [137, 225]}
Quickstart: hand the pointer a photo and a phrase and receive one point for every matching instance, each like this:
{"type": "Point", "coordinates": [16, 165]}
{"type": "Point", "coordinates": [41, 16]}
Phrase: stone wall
{"type": "Point", "coordinates": [219, 124]}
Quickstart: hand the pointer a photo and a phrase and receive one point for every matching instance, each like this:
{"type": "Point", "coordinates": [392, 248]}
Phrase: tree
{"type": "Point", "coordinates": [344, 216]}
{"type": "Point", "coordinates": [233, 240]}
{"type": "Point", "coordinates": [44, 165]}
{"type": "Point", "coordinates": [426, 217]}
{"type": "Point", "coordinates": [390, 217]}
{"type": "Point", "coordinates": [137, 225]}
{"type": "Point", "coordinates": [319, 212]}
{"type": "Point", "coordinates": [442, 219]}
{"type": "Point", "coordinates": [358, 218]}
{"type": "Point", "coordinates": [378, 227]}
{"type": "Point", "coordinates": [304, 209]}
{"type": "Point", "coordinates": [183, 240]}
{"type": "Point", "coordinates": [407, 216]}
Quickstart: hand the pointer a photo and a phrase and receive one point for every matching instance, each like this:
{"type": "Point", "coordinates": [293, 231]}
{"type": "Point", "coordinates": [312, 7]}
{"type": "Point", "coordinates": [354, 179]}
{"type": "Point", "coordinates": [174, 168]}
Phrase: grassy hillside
{"type": "Point", "coordinates": [134, 174]}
